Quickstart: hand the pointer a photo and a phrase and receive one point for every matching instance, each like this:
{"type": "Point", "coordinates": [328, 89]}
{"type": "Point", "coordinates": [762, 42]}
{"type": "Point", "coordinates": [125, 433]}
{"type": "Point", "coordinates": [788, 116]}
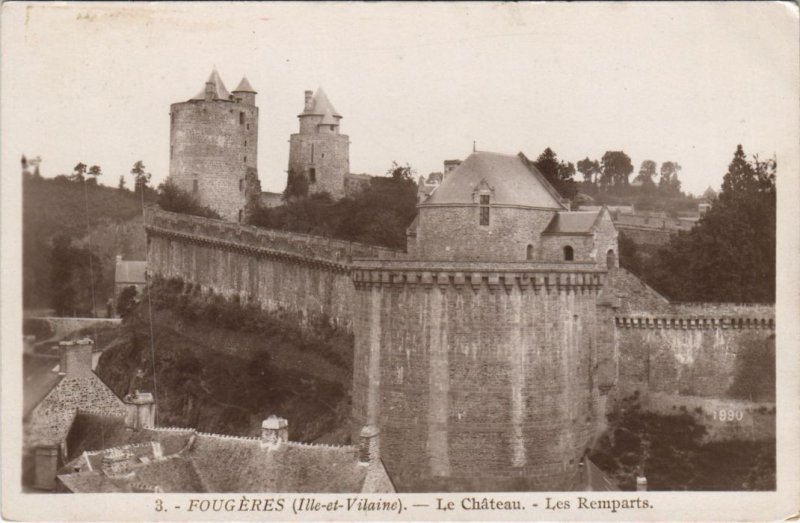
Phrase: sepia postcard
{"type": "Point", "coordinates": [338, 261]}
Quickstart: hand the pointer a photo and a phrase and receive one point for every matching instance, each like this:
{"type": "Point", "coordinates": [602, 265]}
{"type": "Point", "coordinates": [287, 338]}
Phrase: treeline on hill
{"type": "Point", "coordinates": [379, 214]}
{"type": "Point", "coordinates": [73, 227]}
{"type": "Point", "coordinates": [607, 181]}
{"type": "Point", "coordinates": [729, 256]}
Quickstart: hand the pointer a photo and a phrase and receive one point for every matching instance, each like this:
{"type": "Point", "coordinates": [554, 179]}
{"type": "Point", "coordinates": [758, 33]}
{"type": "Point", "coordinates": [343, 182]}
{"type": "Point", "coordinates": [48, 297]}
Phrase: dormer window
{"type": "Point", "coordinates": [484, 207]}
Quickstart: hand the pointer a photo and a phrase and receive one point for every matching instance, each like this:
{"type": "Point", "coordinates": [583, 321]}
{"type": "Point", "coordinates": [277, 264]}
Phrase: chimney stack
{"type": "Point", "coordinates": [45, 467]}
{"type": "Point", "coordinates": [76, 357]}
{"type": "Point", "coordinates": [369, 448]}
{"type": "Point", "coordinates": [274, 432]}
{"type": "Point", "coordinates": [308, 106]}
{"type": "Point", "coordinates": [641, 483]}
{"type": "Point", "coordinates": [211, 91]}
{"type": "Point", "coordinates": [450, 165]}
{"type": "Point", "coordinates": [140, 410]}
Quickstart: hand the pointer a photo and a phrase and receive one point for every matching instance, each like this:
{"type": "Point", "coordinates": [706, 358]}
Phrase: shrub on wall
{"type": "Point", "coordinates": [174, 199]}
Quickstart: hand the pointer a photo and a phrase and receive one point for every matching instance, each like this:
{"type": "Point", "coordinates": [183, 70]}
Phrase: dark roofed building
{"type": "Point", "coordinates": [184, 460]}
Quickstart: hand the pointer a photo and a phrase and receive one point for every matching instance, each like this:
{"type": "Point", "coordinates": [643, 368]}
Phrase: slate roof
{"type": "Point", "coordinates": [222, 92]}
{"type": "Point", "coordinates": [198, 462]}
{"type": "Point", "coordinates": [244, 87]}
{"type": "Point", "coordinates": [132, 272]}
{"type": "Point", "coordinates": [513, 178]}
{"type": "Point", "coordinates": [320, 105]}
{"type": "Point", "coordinates": [328, 119]}
{"type": "Point", "coordinates": [573, 222]}
{"type": "Point", "coordinates": [52, 418]}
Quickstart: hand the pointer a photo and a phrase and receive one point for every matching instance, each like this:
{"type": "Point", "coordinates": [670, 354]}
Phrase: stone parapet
{"type": "Point", "coordinates": [303, 248]}
{"type": "Point", "coordinates": [522, 275]}
{"type": "Point", "coordinates": [695, 323]}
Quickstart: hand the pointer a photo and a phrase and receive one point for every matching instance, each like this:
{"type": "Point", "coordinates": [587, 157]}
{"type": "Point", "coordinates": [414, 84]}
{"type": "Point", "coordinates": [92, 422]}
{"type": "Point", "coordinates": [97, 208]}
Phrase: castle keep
{"type": "Point", "coordinates": [490, 351]}
{"type": "Point", "coordinates": [213, 145]}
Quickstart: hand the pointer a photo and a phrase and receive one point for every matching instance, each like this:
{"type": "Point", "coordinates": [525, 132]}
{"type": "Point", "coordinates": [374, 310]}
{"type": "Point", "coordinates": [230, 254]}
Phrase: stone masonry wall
{"type": "Point", "coordinates": [688, 355]}
{"type": "Point", "coordinates": [279, 270]}
{"type": "Point", "coordinates": [480, 374]}
{"type": "Point", "coordinates": [214, 143]}
{"type": "Point", "coordinates": [454, 233]}
{"type": "Point", "coordinates": [326, 151]}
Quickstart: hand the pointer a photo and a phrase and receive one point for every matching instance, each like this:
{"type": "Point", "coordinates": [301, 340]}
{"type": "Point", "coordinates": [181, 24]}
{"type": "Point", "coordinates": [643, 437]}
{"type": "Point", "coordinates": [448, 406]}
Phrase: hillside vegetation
{"type": "Point", "coordinates": [223, 367]}
{"type": "Point", "coordinates": [57, 207]}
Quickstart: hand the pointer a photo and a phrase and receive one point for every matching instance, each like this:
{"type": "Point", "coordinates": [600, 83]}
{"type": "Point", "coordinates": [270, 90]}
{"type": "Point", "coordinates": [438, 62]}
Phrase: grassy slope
{"type": "Point", "coordinates": [225, 380]}
{"type": "Point", "coordinates": [52, 207]}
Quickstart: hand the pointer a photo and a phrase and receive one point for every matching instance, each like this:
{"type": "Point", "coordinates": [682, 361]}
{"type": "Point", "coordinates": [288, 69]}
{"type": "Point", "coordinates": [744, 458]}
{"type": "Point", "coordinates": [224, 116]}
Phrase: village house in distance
{"type": "Point", "coordinates": [488, 353]}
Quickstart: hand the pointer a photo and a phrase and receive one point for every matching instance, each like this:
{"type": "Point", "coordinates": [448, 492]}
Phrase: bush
{"type": "Point", "coordinates": [174, 199]}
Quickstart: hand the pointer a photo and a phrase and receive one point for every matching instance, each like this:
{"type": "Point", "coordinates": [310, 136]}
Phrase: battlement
{"type": "Point", "coordinates": [694, 323]}
{"type": "Point", "coordinates": [507, 275]}
{"type": "Point", "coordinates": [302, 248]}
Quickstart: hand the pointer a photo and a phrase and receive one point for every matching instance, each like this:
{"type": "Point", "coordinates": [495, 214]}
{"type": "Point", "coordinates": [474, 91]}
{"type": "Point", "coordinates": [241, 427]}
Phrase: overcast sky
{"type": "Point", "coordinates": [415, 83]}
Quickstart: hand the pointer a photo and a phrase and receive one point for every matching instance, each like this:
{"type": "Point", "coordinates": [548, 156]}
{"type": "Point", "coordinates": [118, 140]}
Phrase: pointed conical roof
{"type": "Point", "coordinates": [244, 87]}
{"type": "Point", "coordinates": [328, 119]}
{"type": "Point", "coordinates": [321, 105]}
{"type": "Point", "coordinates": [213, 78]}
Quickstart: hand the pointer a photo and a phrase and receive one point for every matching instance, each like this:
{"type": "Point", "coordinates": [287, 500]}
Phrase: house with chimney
{"type": "Point", "coordinates": [82, 438]}
{"type": "Point", "coordinates": [151, 459]}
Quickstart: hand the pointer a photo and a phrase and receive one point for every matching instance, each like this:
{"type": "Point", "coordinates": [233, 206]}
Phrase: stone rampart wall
{"type": "Point", "coordinates": [277, 269]}
{"type": "Point", "coordinates": [689, 350]}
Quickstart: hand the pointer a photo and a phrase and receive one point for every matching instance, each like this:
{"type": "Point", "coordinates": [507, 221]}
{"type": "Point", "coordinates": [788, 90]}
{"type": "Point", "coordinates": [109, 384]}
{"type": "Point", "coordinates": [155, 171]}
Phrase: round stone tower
{"type": "Point", "coordinates": [318, 151]}
{"type": "Point", "coordinates": [213, 144]}
{"type": "Point", "coordinates": [479, 355]}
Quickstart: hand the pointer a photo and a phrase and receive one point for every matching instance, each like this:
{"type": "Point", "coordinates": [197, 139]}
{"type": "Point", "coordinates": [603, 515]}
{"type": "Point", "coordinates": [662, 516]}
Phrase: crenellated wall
{"type": "Point", "coordinates": [689, 350]}
{"type": "Point", "coordinates": [279, 270]}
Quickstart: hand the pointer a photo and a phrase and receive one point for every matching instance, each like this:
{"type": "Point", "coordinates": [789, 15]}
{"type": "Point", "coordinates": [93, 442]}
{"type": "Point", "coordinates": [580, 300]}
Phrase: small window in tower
{"type": "Point", "coordinates": [529, 252]}
{"type": "Point", "coordinates": [484, 203]}
{"type": "Point", "coordinates": [241, 118]}
{"type": "Point", "coordinates": [248, 127]}
{"type": "Point", "coordinates": [312, 153]}
{"type": "Point", "coordinates": [569, 254]}
{"type": "Point", "coordinates": [240, 216]}
{"type": "Point", "coordinates": [241, 185]}
{"type": "Point", "coordinates": [194, 186]}
{"type": "Point", "coordinates": [245, 143]}
{"type": "Point", "coordinates": [331, 128]}
{"type": "Point", "coordinates": [312, 175]}
{"type": "Point", "coordinates": [245, 159]}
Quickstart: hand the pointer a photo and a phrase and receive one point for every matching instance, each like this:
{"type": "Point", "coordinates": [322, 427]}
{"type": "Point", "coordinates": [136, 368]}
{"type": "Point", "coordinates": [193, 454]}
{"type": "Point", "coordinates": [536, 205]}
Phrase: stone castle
{"type": "Point", "coordinates": [214, 148]}
{"type": "Point", "coordinates": [490, 351]}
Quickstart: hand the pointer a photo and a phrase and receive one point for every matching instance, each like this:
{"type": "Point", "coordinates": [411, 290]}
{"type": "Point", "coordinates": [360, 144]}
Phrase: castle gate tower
{"type": "Point", "coordinates": [213, 144]}
{"type": "Point", "coordinates": [477, 355]}
{"type": "Point", "coordinates": [318, 151]}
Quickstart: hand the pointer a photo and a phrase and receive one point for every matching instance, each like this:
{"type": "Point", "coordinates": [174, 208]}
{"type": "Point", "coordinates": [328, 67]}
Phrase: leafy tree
{"type": "Point", "coordinates": [589, 169]}
{"type": "Point", "coordinates": [729, 256]}
{"type": "Point", "coordinates": [121, 185]}
{"type": "Point", "coordinates": [401, 172]}
{"type": "Point", "coordinates": [669, 182]}
{"type": "Point", "coordinates": [616, 168]}
{"type": "Point", "coordinates": [560, 174]}
{"type": "Point", "coordinates": [126, 301]}
{"type": "Point", "coordinates": [647, 173]}
{"type": "Point", "coordinates": [140, 177]}
{"type": "Point", "coordinates": [172, 198]}
{"type": "Point", "coordinates": [296, 186]}
{"type": "Point", "coordinates": [71, 272]}
{"type": "Point", "coordinates": [78, 172]}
